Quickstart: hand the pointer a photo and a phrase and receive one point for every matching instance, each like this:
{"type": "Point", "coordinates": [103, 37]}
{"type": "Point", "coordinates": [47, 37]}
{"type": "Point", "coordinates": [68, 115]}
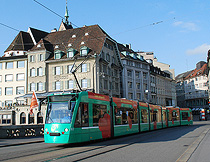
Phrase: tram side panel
{"type": "Point", "coordinates": [173, 117]}
{"type": "Point", "coordinates": [164, 117]}
{"type": "Point", "coordinates": [125, 117]}
{"type": "Point", "coordinates": [186, 116]}
{"type": "Point", "coordinates": [144, 116]}
{"type": "Point", "coordinates": [155, 117]}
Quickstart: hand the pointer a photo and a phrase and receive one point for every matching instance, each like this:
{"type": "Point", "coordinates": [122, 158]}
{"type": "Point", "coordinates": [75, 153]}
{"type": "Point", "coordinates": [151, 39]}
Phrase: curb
{"type": "Point", "coordinates": [191, 149]}
{"type": "Point", "coordinates": [22, 143]}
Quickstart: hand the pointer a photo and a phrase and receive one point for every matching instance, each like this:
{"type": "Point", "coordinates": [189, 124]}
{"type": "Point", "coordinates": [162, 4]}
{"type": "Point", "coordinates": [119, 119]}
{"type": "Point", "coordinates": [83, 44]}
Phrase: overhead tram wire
{"type": "Point", "coordinates": [64, 18]}
{"type": "Point", "coordinates": [155, 23]}
{"type": "Point", "coordinates": [98, 38]}
{"type": "Point", "coordinates": [9, 27]}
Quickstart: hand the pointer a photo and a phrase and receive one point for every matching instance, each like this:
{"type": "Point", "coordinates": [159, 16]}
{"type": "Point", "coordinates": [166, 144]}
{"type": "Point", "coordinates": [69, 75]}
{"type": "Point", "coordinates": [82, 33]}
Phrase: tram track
{"type": "Point", "coordinates": [99, 150]}
{"type": "Point", "coordinates": [85, 151]}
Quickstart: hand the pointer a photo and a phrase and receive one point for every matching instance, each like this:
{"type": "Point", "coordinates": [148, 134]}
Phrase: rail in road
{"type": "Point", "coordinates": [161, 145]}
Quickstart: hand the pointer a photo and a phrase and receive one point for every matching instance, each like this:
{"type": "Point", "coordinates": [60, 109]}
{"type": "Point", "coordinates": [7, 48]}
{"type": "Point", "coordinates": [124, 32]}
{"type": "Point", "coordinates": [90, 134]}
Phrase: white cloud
{"type": "Point", "coordinates": [186, 25]}
{"type": "Point", "coordinates": [200, 50]}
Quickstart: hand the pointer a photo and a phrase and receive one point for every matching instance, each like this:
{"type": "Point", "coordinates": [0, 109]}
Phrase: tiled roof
{"type": "Point", "coordinates": [13, 57]}
{"type": "Point", "coordinates": [73, 38]}
{"type": "Point", "coordinates": [22, 42]}
{"type": "Point", "coordinates": [38, 34]}
{"type": "Point", "coordinates": [198, 72]}
{"type": "Point", "coordinates": [122, 48]}
{"type": "Point", "coordinates": [183, 75]}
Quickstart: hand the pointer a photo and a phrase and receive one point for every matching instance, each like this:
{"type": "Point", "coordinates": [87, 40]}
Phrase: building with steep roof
{"type": "Point", "coordinates": [135, 76]}
{"type": "Point", "coordinates": [88, 50]}
{"type": "Point", "coordinates": [195, 87]}
{"type": "Point", "coordinates": [180, 89]}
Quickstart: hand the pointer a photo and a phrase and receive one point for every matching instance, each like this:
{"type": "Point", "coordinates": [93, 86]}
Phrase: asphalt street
{"type": "Point", "coordinates": [165, 145]}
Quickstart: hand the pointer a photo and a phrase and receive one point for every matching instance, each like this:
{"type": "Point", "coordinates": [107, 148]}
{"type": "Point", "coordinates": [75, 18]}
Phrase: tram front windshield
{"type": "Point", "coordinates": [58, 112]}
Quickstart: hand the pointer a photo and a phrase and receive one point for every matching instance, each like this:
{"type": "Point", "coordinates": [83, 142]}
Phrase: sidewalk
{"type": "Point", "coordinates": [20, 141]}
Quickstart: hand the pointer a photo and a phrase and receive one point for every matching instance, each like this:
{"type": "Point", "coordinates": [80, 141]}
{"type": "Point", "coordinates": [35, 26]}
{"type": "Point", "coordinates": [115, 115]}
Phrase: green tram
{"type": "Point", "coordinates": [86, 116]}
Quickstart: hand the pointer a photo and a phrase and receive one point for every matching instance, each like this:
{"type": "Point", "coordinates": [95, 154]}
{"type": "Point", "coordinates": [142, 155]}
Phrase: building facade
{"type": "Point", "coordinates": [196, 87]}
{"type": "Point", "coordinates": [135, 75]}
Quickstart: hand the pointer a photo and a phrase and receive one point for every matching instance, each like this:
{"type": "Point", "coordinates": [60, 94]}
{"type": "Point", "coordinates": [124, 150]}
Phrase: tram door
{"type": "Point", "coordinates": [82, 122]}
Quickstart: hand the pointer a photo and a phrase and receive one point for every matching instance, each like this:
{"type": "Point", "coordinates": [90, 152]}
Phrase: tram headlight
{"type": "Point", "coordinates": [46, 129]}
{"type": "Point", "coordinates": [66, 129]}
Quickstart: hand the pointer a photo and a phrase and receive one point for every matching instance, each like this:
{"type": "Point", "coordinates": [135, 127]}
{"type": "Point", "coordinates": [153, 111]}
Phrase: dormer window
{"type": "Point", "coordinates": [82, 43]}
{"type": "Point", "coordinates": [84, 51]}
{"type": "Point", "coordinates": [39, 45]}
{"type": "Point", "coordinates": [74, 36]}
{"type": "Point", "coordinates": [71, 52]}
{"type": "Point", "coordinates": [58, 54]}
{"type": "Point", "coordinates": [57, 46]}
{"type": "Point", "coordinates": [86, 34]}
{"type": "Point", "coordinates": [69, 45]}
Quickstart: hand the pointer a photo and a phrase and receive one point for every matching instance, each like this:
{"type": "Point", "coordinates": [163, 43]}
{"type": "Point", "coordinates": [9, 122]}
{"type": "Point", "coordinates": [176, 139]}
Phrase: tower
{"type": "Point", "coordinates": [65, 25]}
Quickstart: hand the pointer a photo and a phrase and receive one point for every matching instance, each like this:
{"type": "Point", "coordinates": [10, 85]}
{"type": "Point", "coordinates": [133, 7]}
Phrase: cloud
{"type": "Point", "coordinates": [186, 25]}
{"type": "Point", "coordinates": [200, 50]}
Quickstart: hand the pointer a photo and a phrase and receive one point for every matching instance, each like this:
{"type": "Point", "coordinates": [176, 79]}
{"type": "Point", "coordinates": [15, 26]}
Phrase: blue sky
{"type": "Point", "coordinates": [179, 35]}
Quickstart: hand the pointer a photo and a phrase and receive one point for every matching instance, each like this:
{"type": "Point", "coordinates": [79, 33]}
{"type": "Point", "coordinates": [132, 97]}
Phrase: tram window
{"type": "Point", "coordinates": [175, 115]}
{"type": "Point", "coordinates": [98, 112]}
{"type": "Point", "coordinates": [153, 116]}
{"type": "Point", "coordinates": [170, 116]}
{"type": "Point", "coordinates": [164, 116]}
{"type": "Point", "coordinates": [123, 114]}
{"type": "Point", "coordinates": [82, 118]}
{"type": "Point", "coordinates": [184, 115]}
{"type": "Point", "coordinates": [144, 115]}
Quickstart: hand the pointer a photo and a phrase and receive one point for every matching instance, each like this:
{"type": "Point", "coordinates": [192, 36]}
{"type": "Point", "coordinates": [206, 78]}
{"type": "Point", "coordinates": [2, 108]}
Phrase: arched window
{"type": "Point", "coordinates": [31, 118]}
{"type": "Point", "coordinates": [39, 118]}
{"type": "Point", "coordinates": [22, 118]}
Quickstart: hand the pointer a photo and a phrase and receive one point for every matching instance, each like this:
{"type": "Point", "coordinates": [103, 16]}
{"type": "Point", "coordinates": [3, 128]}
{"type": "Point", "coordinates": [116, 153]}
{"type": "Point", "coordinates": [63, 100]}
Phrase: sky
{"type": "Point", "coordinates": [175, 30]}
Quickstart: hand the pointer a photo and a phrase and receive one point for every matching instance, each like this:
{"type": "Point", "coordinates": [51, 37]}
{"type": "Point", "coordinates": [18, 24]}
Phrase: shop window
{"type": "Point", "coordinates": [22, 118]}
{"type": "Point", "coordinates": [31, 118]}
{"type": "Point", "coordinates": [39, 118]}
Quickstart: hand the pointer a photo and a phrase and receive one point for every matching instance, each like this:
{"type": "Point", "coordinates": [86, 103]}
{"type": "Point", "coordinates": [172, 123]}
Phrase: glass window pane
{"type": "Point", "coordinates": [9, 65]}
{"type": "Point", "coordinates": [69, 69]}
{"type": "Point", "coordinates": [33, 72]}
{"type": "Point", "coordinates": [40, 73]}
{"type": "Point", "coordinates": [84, 83]}
{"type": "Point", "coordinates": [57, 70]}
{"type": "Point", "coordinates": [0, 66]}
{"type": "Point", "coordinates": [71, 84]}
{"type": "Point", "coordinates": [20, 64]}
{"type": "Point", "coordinates": [8, 78]}
{"type": "Point", "coordinates": [32, 86]}
{"type": "Point", "coordinates": [8, 91]}
{"type": "Point", "coordinates": [20, 77]}
{"type": "Point", "coordinates": [40, 57]}
{"type": "Point", "coordinates": [57, 85]}
{"type": "Point", "coordinates": [70, 53]}
{"type": "Point", "coordinates": [84, 67]}
{"type": "Point", "coordinates": [20, 90]}
{"type": "Point", "coordinates": [40, 86]}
